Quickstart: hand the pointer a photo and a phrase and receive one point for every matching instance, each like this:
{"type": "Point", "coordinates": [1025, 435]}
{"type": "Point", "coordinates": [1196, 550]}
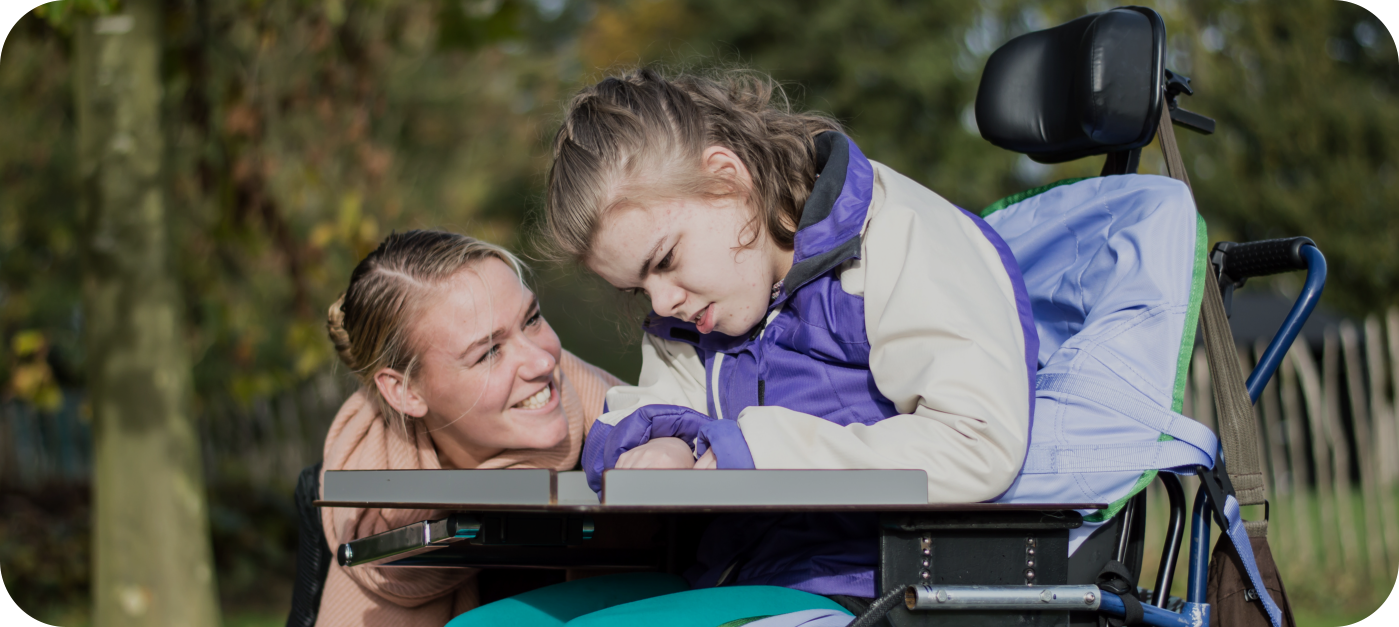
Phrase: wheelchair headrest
{"type": "Point", "coordinates": [1087, 87]}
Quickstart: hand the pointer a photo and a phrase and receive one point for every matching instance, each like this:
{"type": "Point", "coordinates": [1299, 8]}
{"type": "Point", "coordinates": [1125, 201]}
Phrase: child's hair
{"type": "Point", "coordinates": [641, 127]}
{"type": "Point", "coordinates": [371, 324]}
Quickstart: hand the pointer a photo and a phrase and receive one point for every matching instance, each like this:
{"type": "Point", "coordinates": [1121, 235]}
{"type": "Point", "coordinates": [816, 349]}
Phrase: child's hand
{"type": "Point", "coordinates": [707, 461]}
{"type": "Point", "coordinates": [659, 453]}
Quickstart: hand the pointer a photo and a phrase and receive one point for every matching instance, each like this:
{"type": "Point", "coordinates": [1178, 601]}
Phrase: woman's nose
{"type": "Point", "coordinates": [538, 361]}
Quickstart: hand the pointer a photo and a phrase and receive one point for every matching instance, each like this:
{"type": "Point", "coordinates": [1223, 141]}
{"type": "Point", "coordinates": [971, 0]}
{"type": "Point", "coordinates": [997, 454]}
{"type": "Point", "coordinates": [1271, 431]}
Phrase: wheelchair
{"type": "Point", "coordinates": [1096, 85]}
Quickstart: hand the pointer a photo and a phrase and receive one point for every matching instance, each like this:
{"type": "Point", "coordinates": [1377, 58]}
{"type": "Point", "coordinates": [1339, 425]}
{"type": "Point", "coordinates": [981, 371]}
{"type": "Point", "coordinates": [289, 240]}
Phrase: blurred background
{"type": "Point", "coordinates": [297, 133]}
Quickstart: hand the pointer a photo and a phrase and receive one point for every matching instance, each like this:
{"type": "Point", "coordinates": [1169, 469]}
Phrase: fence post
{"type": "Point", "coordinates": [1340, 447]}
{"type": "Point", "coordinates": [1298, 473]}
{"type": "Point", "coordinates": [1321, 454]}
{"type": "Point", "coordinates": [1375, 555]}
{"type": "Point", "coordinates": [1386, 440]}
{"type": "Point", "coordinates": [1272, 424]}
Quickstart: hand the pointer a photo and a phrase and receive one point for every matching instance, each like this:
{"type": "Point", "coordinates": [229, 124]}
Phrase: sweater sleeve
{"type": "Point", "coordinates": [667, 401]}
{"type": "Point", "coordinates": [947, 346]}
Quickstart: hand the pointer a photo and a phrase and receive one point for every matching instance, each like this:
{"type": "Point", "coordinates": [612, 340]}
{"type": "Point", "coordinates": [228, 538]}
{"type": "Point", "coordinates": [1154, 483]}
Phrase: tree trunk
{"type": "Point", "coordinates": [152, 562]}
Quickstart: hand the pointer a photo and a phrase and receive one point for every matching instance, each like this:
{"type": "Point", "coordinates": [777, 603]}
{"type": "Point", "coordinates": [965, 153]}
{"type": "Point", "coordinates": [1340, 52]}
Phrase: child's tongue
{"type": "Point", "coordinates": [706, 321]}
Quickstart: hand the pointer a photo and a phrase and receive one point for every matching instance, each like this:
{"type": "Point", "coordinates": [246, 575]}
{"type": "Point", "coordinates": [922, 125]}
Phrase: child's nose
{"type": "Point", "coordinates": [667, 299]}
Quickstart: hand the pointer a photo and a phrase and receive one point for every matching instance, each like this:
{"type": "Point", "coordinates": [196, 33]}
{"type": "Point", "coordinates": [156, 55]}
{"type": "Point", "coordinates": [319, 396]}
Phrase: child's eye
{"type": "Point", "coordinates": [667, 260]}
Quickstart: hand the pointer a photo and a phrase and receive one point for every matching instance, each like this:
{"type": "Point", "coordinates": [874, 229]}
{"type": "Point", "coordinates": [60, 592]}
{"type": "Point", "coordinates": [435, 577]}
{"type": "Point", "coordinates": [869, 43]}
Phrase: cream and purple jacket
{"type": "Point", "coordinates": [903, 338]}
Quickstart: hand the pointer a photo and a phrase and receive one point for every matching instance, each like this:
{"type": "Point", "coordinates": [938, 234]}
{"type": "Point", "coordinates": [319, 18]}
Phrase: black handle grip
{"type": "Point", "coordinates": [1262, 258]}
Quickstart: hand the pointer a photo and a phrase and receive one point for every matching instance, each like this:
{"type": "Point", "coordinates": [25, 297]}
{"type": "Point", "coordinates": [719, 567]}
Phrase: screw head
{"type": "Point", "coordinates": [1030, 563]}
{"type": "Point", "coordinates": [943, 597]}
{"type": "Point", "coordinates": [1089, 598]}
{"type": "Point", "coordinates": [925, 574]}
{"type": "Point", "coordinates": [1029, 574]}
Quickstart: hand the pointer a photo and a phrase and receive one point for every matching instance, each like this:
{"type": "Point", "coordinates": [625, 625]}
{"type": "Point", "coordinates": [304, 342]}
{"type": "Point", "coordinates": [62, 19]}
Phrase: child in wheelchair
{"type": "Point", "coordinates": [811, 309]}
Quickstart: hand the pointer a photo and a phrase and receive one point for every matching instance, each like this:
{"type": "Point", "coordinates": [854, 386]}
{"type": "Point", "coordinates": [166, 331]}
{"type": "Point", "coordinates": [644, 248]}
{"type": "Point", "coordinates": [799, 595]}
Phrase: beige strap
{"type": "Point", "coordinates": [1238, 432]}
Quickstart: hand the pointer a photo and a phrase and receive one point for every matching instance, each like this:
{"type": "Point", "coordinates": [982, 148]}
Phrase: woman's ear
{"type": "Point", "coordinates": [395, 389]}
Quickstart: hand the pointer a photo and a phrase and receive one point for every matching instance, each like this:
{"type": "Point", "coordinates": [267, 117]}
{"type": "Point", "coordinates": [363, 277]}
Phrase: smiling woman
{"type": "Point", "coordinates": [457, 369]}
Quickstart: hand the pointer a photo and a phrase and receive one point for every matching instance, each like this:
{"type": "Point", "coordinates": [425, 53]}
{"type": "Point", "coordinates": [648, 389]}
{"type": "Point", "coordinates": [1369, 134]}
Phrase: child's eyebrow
{"type": "Point", "coordinates": [646, 265]}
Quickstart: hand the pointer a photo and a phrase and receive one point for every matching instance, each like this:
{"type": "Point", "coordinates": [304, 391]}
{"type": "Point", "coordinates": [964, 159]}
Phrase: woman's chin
{"type": "Point", "coordinates": [540, 429]}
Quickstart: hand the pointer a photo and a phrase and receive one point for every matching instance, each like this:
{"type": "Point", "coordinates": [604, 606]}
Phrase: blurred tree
{"type": "Point", "coordinates": [1304, 94]}
{"type": "Point", "coordinates": [152, 561]}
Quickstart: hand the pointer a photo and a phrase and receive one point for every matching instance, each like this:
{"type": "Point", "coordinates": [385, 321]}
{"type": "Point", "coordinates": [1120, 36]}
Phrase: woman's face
{"type": "Point", "coordinates": [486, 367]}
{"type": "Point", "coordinates": [688, 256]}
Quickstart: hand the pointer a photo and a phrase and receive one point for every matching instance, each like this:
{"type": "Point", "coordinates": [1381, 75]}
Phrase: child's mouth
{"type": "Point", "coordinates": [704, 320]}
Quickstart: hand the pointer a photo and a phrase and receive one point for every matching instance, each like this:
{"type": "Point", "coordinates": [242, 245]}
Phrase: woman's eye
{"type": "Point", "coordinates": [667, 260]}
{"type": "Point", "coordinates": [495, 351]}
{"type": "Point", "coordinates": [535, 319]}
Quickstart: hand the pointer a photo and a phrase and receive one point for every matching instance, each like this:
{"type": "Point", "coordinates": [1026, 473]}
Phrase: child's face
{"type": "Point", "coordinates": [686, 255]}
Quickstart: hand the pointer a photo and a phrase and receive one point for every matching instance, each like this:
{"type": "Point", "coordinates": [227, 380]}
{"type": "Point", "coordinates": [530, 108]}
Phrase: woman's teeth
{"type": "Point", "coordinates": [537, 401]}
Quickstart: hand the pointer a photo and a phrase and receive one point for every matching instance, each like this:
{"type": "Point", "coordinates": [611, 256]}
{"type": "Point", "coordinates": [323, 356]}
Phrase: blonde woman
{"type": "Point", "coordinates": [458, 369]}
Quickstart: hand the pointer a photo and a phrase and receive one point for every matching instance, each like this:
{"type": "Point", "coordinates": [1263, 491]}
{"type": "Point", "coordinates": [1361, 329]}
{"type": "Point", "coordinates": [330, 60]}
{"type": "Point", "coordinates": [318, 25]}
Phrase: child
{"type": "Point", "coordinates": [812, 309]}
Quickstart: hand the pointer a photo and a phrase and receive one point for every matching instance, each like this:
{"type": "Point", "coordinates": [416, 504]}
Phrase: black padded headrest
{"type": "Point", "coordinates": [1086, 87]}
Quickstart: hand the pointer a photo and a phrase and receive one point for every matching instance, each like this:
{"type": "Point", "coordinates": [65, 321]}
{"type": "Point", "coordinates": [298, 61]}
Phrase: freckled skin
{"type": "Point", "coordinates": [469, 404]}
{"type": "Point", "coordinates": [709, 268]}
{"type": "Point", "coordinates": [709, 277]}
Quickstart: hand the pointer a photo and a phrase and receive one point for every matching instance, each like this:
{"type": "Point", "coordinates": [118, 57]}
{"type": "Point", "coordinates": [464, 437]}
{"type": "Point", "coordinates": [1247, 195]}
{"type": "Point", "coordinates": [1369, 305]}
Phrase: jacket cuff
{"type": "Point", "coordinates": [730, 447]}
{"type": "Point", "coordinates": [607, 442]}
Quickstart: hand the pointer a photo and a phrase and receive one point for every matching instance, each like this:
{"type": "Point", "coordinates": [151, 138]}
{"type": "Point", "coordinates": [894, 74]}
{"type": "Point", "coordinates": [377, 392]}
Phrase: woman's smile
{"type": "Point", "coordinates": [544, 399]}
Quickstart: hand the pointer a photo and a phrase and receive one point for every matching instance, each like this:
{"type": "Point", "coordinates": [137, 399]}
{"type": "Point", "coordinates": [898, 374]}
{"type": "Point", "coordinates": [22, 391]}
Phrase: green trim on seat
{"type": "Point", "coordinates": [1192, 316]}
{"type": "Point", "coordinates": [1015, 198]}
{"type": "Point", "coordinates": [1187, 350]}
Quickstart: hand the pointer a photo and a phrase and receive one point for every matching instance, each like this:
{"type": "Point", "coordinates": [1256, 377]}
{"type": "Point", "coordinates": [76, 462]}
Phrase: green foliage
{"type": "Point", "coordinates": [298, 134]}
{"type": "Point", "coordinates": [301, 132]}
{"type": "Point", "coordinates": [1304, 93]}
{"type": "Point", "coordinates": [62, 13]}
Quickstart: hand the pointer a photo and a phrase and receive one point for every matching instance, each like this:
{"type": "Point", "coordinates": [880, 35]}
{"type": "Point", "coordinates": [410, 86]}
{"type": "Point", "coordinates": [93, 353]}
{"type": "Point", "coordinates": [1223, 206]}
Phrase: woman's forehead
{"type": "Point", "coordinates": [482, 293]}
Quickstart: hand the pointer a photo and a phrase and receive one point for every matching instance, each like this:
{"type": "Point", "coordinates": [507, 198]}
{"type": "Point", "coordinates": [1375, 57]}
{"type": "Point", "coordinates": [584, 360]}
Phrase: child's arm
{"type": "Point", "coordinates": [667, 402]}
{"type": "Point", "coordinates": [947, 346]}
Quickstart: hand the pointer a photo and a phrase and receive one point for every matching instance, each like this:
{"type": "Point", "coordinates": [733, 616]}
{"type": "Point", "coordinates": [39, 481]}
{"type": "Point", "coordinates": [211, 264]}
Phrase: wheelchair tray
{"type": "Point", "coordinates": [547, 519]}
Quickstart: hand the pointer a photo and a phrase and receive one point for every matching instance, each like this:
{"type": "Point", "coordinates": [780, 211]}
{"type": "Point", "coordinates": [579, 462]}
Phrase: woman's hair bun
{"type": "Point", "coordinates": [335, 328]}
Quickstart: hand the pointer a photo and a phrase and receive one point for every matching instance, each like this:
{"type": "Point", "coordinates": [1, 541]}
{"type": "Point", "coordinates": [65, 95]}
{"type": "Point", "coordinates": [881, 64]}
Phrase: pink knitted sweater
{"type": "Point", "coordinates": [359, 439]}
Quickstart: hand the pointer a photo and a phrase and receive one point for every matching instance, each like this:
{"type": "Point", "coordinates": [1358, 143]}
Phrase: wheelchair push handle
{"type": "Point", "coordinates": [1239, 262]}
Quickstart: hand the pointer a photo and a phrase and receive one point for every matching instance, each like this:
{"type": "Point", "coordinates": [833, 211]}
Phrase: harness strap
{"type": "Point", "coordinates": [1238, 536]}
{"type": "Point", "coordinates": [1233, 405]}
{"type": "Point", "coordinates": [1192, 445]}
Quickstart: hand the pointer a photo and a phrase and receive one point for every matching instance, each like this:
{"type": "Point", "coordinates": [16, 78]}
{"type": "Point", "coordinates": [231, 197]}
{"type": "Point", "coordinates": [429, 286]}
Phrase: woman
{"type": "Point", "coordinates": [458, 370]}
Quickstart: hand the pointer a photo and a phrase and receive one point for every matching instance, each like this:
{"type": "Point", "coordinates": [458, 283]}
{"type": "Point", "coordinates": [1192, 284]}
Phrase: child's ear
{"type": "Point", "coordinates": [395, 389]}
{"type": "Point", "coordinates": [724, 162]}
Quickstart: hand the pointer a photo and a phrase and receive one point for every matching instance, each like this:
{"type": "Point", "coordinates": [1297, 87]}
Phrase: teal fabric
{"type": "Point", "coordinates": [707, 607]}
{"type": "Point", "coordinates": [553, 606]}
{"type": "Point", "coordinates": [639, 600]}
